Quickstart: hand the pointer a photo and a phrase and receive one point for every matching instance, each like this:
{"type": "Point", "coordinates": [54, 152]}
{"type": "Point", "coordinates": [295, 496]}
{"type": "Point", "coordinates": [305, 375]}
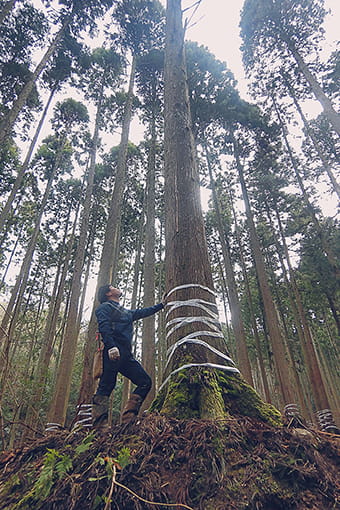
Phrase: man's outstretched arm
{"type": "Point", "coordinates": [141, 313]}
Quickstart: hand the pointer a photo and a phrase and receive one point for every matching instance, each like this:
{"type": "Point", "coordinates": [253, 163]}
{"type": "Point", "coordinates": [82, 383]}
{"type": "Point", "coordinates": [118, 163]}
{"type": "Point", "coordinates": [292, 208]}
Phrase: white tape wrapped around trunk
{"type": "Point", "coordinates": [189, 285]}
{"type": "Point", "coordinates": [190, 339]}
{"type": "Point", "coordinates": [198, 303]}
{"type": "Point", "coordinates": [211, 321]}
{"type": "Point", "coordinates": [233, 370]}
{"type": "Point", "coordinates": [182, 321]}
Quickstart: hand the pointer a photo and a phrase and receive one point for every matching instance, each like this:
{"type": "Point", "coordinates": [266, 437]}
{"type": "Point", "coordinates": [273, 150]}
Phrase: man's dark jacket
{"type": "Point", "coordinates": [115, 323]}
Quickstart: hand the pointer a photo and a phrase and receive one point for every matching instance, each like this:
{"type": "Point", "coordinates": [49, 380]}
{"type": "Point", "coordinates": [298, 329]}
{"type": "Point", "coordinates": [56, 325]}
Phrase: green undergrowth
{"type": "Point", "coordinates": [222, 464]}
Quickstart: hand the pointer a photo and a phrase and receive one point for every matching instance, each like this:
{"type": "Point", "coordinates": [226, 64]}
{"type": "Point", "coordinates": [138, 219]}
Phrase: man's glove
{"type": "Point", "coordinates": [114, 354]}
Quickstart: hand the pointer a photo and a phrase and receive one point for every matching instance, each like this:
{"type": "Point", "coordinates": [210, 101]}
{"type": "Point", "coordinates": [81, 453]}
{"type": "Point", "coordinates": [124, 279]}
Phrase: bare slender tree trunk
{"type": "Point", "coordinates": [148, 333]}
{"type": "Point", "coordinates": [48, 342]}
{"type": "Point", "coordinates": [307, 343]}
{"type": "Point", "coordinates": [326, 104]}
{"type": "Point", "coordinates": [108, 263]}
{"type": "Point", "coordinates": [24, 166]}
{"type": "Point", "coordinates": [8, 122]}
{"type": "Point", "coordinates": [137, 283]}
{"type": "Point", "coordinates": [314, 140]}
{"type": "Point", "coordinates": [13, 308]}
{"type": "Point", "coordinates": [58, 409]}
{"type": "Point", "coordinates": [14, 249]}
{"type": "Point", "coordinates": [259, 353]}
{"type": "Point", "coordinates": [276, 339]}
{"type": "Point", "coordinates": [325, 245]}
{"type": "Point", "coordinates": [305, 406]}
{"type": "Point", "coordinates": [235, 307]}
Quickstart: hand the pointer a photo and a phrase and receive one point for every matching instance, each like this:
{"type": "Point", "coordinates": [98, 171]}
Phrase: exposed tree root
{"type": "Point", "coordinates": [158, 462]}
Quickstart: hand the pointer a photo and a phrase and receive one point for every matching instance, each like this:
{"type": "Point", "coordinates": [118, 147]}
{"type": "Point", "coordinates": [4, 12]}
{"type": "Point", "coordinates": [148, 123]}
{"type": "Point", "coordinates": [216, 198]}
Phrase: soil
{"type": "Point", "coordinates": [162, 463]}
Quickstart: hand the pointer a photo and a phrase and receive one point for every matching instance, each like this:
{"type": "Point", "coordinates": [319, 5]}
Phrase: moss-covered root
{"type": "Point", "coordinates": [212, 394]}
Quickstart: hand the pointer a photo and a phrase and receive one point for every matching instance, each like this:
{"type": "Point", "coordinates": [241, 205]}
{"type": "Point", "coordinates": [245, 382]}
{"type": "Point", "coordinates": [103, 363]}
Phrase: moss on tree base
{"type": "Point", "coordinates": [212, 394]}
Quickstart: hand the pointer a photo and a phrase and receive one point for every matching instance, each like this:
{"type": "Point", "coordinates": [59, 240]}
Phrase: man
{"type": "Point", "coordinates": [116, 329]}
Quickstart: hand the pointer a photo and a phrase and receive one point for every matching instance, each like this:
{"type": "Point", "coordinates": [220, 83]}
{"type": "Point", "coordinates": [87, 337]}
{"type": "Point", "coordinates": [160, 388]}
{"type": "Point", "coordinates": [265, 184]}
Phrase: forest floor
{"type": "Point", "coordinates": [161, 463]}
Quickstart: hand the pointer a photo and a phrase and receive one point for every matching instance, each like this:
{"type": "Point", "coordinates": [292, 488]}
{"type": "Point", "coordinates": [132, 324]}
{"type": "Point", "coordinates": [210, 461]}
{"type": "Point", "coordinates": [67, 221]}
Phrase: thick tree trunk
{"type": "Point", "coordinates": [24, 166]}
{"type": "Point", "coordinates": [161, 345]}
{"type": "Point", "coordinates": [184, 227]}
{"type": "Point", "coordinates": [199, 373]}
{"type": "Point", "coordinates": [331, 379]}
{"type": "Point", "coordinates": [330, 113]}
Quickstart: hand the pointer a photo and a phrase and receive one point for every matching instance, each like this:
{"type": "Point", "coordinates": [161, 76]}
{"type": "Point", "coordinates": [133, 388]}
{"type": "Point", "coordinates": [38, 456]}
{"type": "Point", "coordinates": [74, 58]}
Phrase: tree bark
{"type": "Point", "coordinates": [24, 166]}
{"type": "Point", "coordinates": [148, 333]}
{"type": "Point", "coordinates": [108, 264]}
{"type": "Point", "coordinates": [276, 339]}
{"type": "Point", "coordinates": [8, 122]}
{"type": "Point", "coordinates": [199, 375]}
{"type": "Point", "coordinates": [58, 409]}
{"type": "Point", "coordinates": [330, 113]}
{"type": "Point", "coordinates": [235, 307]}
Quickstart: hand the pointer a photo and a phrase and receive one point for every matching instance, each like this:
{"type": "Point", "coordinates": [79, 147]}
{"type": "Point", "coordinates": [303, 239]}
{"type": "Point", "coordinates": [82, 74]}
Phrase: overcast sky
{"type": "Point", "coordinates": [216, 25]}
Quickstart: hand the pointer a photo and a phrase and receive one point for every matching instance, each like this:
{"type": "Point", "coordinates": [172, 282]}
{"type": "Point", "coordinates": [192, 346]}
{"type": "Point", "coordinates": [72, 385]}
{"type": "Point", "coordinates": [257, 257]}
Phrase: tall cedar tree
{"type": "Point", "coordinates": [200, 390]}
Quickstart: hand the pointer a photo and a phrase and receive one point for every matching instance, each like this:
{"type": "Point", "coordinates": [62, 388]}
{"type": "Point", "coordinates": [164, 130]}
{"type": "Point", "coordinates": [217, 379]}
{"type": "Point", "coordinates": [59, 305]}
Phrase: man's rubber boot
{"type": "Point", "coordinates": [131, 409]}
{"type": "Point", "coordinates": [100, 411]}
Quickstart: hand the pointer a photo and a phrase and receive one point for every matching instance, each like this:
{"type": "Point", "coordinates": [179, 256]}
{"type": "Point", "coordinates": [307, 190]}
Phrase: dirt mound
{"type": "Point", "coordinates": [158, 463]}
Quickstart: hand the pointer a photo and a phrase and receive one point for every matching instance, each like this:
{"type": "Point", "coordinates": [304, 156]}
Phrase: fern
{"type": "Point", "coordinates": [55, 466]}
{"type": "Point", "coordinates": [63, 466]}
{"type": "Point", "coordinates": [43, 485]}
{"type": "Point", "coordinates": [85, 444]}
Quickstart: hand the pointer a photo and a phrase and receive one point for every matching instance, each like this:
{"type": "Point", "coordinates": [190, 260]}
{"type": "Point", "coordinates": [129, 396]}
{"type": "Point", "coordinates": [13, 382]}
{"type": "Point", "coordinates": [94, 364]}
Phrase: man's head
{"type": "Point", "coordinates": [108, 293]}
